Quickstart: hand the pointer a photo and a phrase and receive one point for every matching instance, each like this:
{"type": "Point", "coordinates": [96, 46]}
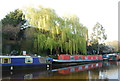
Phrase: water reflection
{"type": "Point", "coordinates": [109, 70]}
{"type": "Point", "coordinates": [78, 68]}
{"type": "Point", "coordinates": [101, 70]}
{"type": "Point", "coordinates": [26, 74]}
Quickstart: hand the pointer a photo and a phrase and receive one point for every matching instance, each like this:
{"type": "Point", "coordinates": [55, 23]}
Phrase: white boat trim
{"type": "Point", "coordinates": [54, 60]}
{"type": "Point", "coordinates": [14, 56]}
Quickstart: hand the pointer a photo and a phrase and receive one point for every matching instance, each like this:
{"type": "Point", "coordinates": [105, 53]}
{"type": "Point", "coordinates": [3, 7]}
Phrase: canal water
{"type": "Point", "coordinates": [101, 70]}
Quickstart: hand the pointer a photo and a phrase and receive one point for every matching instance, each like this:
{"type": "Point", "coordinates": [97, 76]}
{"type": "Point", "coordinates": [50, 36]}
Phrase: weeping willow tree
{"type": "Point", "coordinates": [54, 33]}
{"type": "Point", "coordinates": [74, 35]}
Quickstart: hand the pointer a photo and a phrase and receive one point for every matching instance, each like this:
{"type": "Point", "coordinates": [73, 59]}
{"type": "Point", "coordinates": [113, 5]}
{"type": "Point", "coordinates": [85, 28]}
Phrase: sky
{"type": "Point", "coordinates": [89, 11]}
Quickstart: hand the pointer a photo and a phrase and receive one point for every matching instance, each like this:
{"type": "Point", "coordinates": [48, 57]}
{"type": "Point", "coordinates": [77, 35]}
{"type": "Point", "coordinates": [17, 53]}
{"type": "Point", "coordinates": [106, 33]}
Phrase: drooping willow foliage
{"type": "Point", "coordinates": [54, 33]}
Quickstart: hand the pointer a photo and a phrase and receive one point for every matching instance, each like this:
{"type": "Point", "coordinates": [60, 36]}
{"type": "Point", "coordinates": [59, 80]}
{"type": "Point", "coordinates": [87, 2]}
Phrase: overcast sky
{"type": "Point", "coordinates": [89, 11]}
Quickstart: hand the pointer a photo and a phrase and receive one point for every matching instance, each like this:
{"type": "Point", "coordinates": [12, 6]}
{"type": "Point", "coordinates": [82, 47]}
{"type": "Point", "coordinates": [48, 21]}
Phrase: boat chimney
{"type": "Point", "coordinates": [24, 52]}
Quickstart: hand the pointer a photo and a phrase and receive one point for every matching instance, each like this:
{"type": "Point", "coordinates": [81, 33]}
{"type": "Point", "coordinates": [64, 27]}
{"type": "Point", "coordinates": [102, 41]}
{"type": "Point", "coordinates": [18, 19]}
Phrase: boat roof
{"type": "Point", "coordinates": [112, 54]}
{"type": "Point", "coordinates": [14, 56]}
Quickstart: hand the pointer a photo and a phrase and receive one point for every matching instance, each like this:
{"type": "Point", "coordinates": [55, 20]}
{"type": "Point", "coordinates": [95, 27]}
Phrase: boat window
{"type": "Point", "coordinates": [86, 57]}
{"type": "Point", "coordinates": [60, 57]}
{"type": "Point", "coordinates": [28, 60]}
{"type": "Point", "coordinates": [6, 60]}
{"type": "Point", "coordinates": [79, 57]}
{"type": "Point", "coordinates": [114, 57]}
{"type": "Point", "coordinates": [72, 57]}
{"type": "Point", "coordinates": [42, 60]}
{"type": "Point", "coordinates": [0, 60]}
{"type": "Point", "coordinates": [96, 57]}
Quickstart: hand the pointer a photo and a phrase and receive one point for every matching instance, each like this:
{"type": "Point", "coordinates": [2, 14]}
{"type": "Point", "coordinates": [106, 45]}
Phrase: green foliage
{"type": "Point", "coordinates": [13, 18]}
{"type": "Point", "coordinates": [53, 56]}
{"type": "Point", "coordinates": [11, 24]}
{"type": "Point", "coordinates": [54, 33]}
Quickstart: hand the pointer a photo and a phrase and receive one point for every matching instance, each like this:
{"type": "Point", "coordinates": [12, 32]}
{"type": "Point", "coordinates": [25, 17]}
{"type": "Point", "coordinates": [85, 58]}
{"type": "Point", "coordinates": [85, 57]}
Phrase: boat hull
{"type": "Point", "coordinates": [25, 67]}
{"type": "Point", "coordinates": [67, 60]}
{"type": "Point", "coordinates": [10, 63]}
{"type": "Point", "coordinates": [64, 63]}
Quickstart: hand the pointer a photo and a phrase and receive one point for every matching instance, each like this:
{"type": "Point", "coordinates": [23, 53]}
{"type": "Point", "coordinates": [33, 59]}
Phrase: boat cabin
{"type": "Point", "coordinates": [80, 57]}
{"type": "Point", "coordinates": [22, 62]}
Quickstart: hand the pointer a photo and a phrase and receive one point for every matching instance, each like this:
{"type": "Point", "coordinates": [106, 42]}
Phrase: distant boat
{"type": "Point", "coordinates": [23, 62]}
{"type": "Point", "coordinates": [111, 57]}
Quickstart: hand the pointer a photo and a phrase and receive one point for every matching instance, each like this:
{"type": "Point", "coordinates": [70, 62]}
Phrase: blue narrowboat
{"type": "Point", "coordinates": [8, 63]}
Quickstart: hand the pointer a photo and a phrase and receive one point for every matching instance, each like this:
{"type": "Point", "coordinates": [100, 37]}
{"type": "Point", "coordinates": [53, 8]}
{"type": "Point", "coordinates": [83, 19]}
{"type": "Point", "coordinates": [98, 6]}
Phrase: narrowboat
{"type": "Point", "coordinates": [8, 63]}
{"type": "Point", "coordinates": [111, 57]}
{"type": "Point", "coordinates": [77, 58]}
{"type": "Point", "coordinates": [106, 57]}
